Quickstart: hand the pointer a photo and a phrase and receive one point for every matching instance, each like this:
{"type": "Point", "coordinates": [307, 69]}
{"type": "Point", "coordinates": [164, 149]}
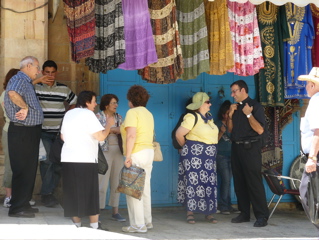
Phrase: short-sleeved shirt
{"type": "Point", "coordinates": [309, 123]}
{"type": "Point", "coordinates": [241, 126]}
{"type": "Point", "coordinates": [52, 100]}
{"type": "Point", "coordinates": [78, 127]}
{"type": "Point", "coordinates": [7, 120]}
{"type": "Point", "coordinates": [143, 121]}
{"type": "Point", "coordinates": [201, 132]}
{"type": "Point", "coordinates": [21, 83]}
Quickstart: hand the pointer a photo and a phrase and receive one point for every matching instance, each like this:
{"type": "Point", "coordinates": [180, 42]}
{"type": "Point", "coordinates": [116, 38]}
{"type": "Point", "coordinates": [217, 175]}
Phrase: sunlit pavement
{"type": "Point", "coordinates": [169, 223]}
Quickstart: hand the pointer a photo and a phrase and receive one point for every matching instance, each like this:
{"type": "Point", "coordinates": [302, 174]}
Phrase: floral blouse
{"type": "Point", "coordinates": [102, 118]}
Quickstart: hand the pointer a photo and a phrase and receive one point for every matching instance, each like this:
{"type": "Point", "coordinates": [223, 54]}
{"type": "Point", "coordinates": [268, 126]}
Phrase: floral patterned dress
{"type": "Point", "coordinates": [197, 177]}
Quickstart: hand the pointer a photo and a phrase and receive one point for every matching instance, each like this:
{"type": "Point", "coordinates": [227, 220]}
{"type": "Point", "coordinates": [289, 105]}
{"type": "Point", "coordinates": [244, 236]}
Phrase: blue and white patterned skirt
{"type": "Point", "coordinates": [197, 177]}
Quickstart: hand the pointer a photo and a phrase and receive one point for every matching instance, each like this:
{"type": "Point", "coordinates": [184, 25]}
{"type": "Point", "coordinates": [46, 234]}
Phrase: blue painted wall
{"type": "Point", "coordinates": [167, 103]}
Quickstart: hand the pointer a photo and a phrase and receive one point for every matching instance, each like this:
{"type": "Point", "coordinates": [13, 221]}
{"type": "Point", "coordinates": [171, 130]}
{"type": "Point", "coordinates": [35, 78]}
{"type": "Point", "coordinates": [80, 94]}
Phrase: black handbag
{"type": "Point", "coordinates": [55, 150]}
{"type": "Point", "coordinates": [102, 163]}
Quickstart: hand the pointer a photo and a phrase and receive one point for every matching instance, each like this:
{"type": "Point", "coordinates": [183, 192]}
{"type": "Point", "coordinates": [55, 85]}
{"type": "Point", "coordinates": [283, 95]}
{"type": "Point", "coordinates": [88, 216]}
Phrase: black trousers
{"type": "Point", "coordinates": [249, 188]}
{"type": "Point", "coordinates": [23, 143]}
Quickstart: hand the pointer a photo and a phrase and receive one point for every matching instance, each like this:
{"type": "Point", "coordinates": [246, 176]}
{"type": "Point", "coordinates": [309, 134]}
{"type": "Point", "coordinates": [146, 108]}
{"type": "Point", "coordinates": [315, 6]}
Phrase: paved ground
{"type": "Point", "coordinates": [169, 223]}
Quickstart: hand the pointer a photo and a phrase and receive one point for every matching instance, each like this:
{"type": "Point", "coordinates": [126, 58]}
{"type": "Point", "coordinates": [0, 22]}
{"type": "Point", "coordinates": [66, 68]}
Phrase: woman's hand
{"type": "Point", "coordinates": [128, 162]}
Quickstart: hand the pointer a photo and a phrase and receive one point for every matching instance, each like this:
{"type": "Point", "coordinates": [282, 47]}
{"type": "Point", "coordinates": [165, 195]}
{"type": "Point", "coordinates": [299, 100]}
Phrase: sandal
{"type": "Point", "coordinates": [190, 219]}
{"type": "Point", "coordinates": [210, 219]}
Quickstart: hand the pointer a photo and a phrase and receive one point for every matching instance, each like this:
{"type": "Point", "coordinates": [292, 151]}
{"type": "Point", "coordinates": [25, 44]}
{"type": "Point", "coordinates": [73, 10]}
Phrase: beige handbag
{"type": "Point", "coordinates": [158, 156]}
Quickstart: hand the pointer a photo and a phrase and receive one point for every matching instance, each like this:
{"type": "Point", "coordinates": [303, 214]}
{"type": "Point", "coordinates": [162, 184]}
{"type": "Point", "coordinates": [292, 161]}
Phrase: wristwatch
{"type": "Point", "coordinates": [248, 116]}
{"type": "Point", "coordinates": [314, 158]}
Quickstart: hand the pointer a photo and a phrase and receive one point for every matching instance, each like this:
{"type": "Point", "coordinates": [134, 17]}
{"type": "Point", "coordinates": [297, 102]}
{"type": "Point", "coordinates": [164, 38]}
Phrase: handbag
{"type": "Point", "coordinates": [102, 163]}
{"type": "Point", "coordinates": [158, 156]}
{"type": "Point", "coordinates": [55, 150]}
{"type": "Point", "coordinates": [119, 136]}
{"type": "Point", "coordinates": [132, 181]}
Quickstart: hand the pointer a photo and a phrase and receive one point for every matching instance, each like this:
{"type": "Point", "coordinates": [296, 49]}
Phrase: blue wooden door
{"type": "Point", "coordinates": [167, 103]}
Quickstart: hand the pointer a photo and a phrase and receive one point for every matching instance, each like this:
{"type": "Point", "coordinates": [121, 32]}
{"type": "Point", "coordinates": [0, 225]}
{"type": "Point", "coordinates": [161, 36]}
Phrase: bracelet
{"type": "Point", "coordinates": [313, 158]}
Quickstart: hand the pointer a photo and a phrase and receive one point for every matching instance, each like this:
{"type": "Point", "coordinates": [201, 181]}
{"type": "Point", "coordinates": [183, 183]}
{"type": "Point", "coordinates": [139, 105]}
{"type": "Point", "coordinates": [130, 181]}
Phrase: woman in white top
{"type": "Point", "coordinates": [81, 131]}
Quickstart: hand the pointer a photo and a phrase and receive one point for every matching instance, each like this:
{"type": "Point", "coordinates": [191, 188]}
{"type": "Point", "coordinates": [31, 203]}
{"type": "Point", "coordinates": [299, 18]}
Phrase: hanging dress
{"type": "Point", "coordinates": [315, 48]}
{"type": "Point", "coordinates": [80, 22]}
{"type": "Point", "coordinates": [220, 43]}
{"type": "Point", "coordinates": [166, 36]}
{"type": "Point", "coordinates": [140, 48]}
{"type": "Point", "coordinates": [193, 37]}
{"type": "Point", "coordinates": [109, 50]}
{"type": "Point", "coordinates": [298, 49]}
{"type": "Point", "coordinates": [245, 38]}
{"type": "Point", "coordinates": [273, 31]}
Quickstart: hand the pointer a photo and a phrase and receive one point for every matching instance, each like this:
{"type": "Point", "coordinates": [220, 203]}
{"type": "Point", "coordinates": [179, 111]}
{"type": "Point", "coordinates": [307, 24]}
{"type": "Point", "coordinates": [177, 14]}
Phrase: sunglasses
{"type": "Point", "coordinates": [208, 102]}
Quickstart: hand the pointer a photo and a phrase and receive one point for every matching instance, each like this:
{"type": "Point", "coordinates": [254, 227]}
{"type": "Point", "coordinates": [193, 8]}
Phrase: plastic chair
{"type": "Point", "coordinates": [276, 185]}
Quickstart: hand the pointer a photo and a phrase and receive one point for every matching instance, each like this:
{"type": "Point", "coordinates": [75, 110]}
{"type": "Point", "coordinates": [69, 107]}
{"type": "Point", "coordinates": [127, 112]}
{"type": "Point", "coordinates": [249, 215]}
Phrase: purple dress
{"type": "Point", "coordinates": [140, 46]}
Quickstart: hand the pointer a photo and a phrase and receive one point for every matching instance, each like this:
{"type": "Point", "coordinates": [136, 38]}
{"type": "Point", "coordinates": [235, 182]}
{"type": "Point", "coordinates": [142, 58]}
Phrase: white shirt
{"type": "Point", "coordinates": [309, 123]}
{"type": "Point", "coordinates": [78, 127]}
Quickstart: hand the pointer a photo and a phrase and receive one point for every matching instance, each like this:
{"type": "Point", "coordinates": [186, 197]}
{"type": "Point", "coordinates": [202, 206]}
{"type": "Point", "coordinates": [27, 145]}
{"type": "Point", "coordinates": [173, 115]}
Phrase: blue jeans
{"type": "Point", "coordinates": [225, 173]}
{"type": "Point", "coordinates": [50, 172]}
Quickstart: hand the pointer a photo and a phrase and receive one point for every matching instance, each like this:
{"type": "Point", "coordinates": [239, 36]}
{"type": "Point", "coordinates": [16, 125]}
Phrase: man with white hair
{"type": "Point", "coordinates": [25, 113]}
{"type": "Point", "coordinates": [309, 127]}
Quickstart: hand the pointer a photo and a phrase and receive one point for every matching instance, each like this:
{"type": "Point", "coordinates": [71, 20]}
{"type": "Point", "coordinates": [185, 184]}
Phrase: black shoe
{"type": "Point", "coordinates": [32, 210]}
{"type": "Point", "coordinates": [102, 228]}
{"type": "Point", "coordinates": [261, 222]}
{"type": "Point", "coordinates": [49, 200]}
{"type": "Point", "coordinates": [240, 219]}
{"type": "Point", "coordinates": [22, 214]}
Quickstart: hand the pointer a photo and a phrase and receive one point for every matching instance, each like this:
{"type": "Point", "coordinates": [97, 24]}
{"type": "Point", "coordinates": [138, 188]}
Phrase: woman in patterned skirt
{"type": "Point", "coordinates": [197, 178]}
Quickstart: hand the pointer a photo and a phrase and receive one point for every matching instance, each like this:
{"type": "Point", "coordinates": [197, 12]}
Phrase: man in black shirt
{"type": "Point", "coordinates": [246, 123]}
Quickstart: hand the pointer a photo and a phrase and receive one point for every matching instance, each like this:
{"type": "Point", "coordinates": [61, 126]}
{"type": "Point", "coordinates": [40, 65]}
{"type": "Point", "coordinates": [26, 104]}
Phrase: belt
{"type": "Point", "coordinates": [21, 125]}
{"type": "Point", "coordinates": [249, 140]}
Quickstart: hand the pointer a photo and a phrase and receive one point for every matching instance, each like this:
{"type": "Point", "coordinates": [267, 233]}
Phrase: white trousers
{"type": "Point", "coordinates": [115, 160]}
{"type": "Point", "coordinates": [140, 211]}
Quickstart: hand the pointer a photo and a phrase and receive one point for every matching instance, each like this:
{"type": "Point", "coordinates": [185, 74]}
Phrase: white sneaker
{"type": "Point", "coordinates": [32, 202]}
{"type": "Point", "coordinates": [132, 229]}
{"type": "Point", "coordinates": [149, 226]}
{"type": "Point", "coordinates": [6, 202]}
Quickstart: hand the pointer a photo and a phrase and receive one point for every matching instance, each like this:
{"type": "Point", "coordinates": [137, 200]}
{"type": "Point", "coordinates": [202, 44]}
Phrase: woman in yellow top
{"type": "Point", "coordinates": [197, 178]}
{"type": "Point", "coordinates": [137, 132]}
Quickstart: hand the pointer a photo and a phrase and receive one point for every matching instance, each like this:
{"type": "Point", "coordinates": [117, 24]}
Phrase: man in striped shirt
{"type": "Point", "coordinates": [55, 98]}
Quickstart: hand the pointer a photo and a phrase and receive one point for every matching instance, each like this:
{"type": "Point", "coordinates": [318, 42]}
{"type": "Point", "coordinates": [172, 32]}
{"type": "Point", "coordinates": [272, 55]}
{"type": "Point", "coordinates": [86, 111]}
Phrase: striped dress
{"type": "Point", "coordinates": [193, 37]}
{"type": "Point", "coordinates": [109, 50]}
{"type": "Point", "coordinates": [81, 27]}
{"type": "Point", "coordinates": [165, 32]}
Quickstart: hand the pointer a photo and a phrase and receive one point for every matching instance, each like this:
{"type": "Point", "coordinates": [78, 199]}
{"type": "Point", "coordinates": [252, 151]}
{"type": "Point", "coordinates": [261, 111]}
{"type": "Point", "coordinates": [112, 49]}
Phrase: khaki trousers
{"type": "Point", "coordinates": [140, 211]}
{"type": "Point", "coordinates": [115, 160]}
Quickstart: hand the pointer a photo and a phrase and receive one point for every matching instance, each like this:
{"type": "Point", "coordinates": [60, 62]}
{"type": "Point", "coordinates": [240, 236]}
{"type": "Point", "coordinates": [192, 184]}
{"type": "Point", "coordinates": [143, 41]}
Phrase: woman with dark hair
{"type": "Point", "coordinates": [113, 155]}
{"type": "Point", "coordinates": [223, 161]}
{"type": "Point", "coordinates": [137, 132]}
{"type": "Point", "coordinates": [197, 178]}
{"type": "Point", "coordinates": [81, 131]}
{"type": "Point", "coordinates": [7, 171]}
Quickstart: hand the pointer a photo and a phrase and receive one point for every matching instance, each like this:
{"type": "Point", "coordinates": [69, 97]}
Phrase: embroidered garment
{"type": "Point", "coordinates": [315, 48]}
{"type": "Point", "coordinates": [273, 31]}
{"type": "Point", "coordinates": [140, 47]}
{"type": "Point", "coordinates": [245, 38]}
{"type": "Point", "coordinates": [109, 50]}
{"type": "Point", "coordinates": [298, 49]}
{"type": "Point", "coordinates": [81, 27]}
{"type": "Point", "coordinates": [165, 32]}
{"type": "Point", "coordinates": [193, 37]}
{"type": "Point", "coordinates": [197, 177]}
{"type": "Point", "coordinates": [220, 44]}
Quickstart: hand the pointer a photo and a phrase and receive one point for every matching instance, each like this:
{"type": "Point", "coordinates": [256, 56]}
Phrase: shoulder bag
{"type": "Point", "coordinates": [119, 136]}
{"type": "Point", "coordinates": [158, 156]}
{"type": "Point", "coordinates": [102, 163]}
{"type": "Point", "coordinates": [132, 181]}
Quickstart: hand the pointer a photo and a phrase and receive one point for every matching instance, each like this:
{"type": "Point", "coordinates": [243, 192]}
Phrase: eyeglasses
{"type": "Point", "coordinates": [114, 103]}
{"type": "Point", "coordinates": [234, 91]}
{"type": "Point", "coordinates": [38, 67]}
{"type": "Point", "coordinates": [208, 102]}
